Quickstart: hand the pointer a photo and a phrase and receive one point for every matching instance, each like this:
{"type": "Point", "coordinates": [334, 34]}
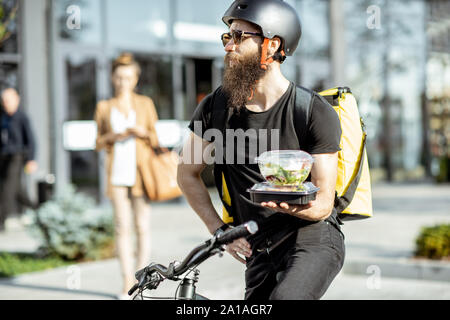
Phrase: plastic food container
{"type": "Point", "coordinates": [285, 167]}
{"type": "Point", "coordinates": [285, 172]}
{"type": "Point", "coordinates": [263, 192]}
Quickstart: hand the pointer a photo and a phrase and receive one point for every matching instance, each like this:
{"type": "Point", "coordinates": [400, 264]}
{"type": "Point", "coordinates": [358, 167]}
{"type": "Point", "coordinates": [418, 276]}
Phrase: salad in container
{"type": "Point", "coordinates": [285, 172]}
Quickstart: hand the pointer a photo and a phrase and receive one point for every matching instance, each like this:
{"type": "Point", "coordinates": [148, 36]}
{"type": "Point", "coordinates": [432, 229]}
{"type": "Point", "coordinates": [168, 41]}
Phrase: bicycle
{"type": "Point", "coordinates": [150, 277]}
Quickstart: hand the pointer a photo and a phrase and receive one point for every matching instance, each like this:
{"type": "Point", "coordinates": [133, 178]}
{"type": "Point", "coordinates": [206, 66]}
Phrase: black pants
{"type": "Point", "coordinates": [301, 268]}
{"type": "Point", "coordinates": [12, 192]}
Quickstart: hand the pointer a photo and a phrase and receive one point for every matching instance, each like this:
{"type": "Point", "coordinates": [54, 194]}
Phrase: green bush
{"type": "Point", "coordinates": [71, 227]}
{"type": "Point", "coordinates": [434, 242]}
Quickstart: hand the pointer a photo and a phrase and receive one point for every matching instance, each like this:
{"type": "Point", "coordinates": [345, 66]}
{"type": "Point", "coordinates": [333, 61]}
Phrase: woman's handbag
{"type": "Point", "coordinates": [163, 165]}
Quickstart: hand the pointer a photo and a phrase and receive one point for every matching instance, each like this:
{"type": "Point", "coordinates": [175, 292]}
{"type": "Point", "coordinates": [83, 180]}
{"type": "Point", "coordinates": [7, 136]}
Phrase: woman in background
{"type": "Point", "coordinates": [126, 130]}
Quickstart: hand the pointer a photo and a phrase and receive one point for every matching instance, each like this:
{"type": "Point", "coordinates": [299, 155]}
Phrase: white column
{"type": "Point", "coordinates": [35, 93]}
{"type": "Point", "coordinates": [58, 97]}
{"type": "Point", "coordinates": [338, 44]}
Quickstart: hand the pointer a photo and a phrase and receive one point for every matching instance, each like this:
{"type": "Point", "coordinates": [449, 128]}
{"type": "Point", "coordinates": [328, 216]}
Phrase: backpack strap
{"type": "Point", "coordinates": [219, 178]}
{"type": "Point", "coordinates": [302, 113]}
{"type": "Point", "coordinates": [221, 115]}
{"type": "Point", "coordinates": [342, 202]}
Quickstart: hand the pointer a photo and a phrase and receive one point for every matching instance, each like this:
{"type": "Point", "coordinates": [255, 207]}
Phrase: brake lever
{"type": "Point", "coordinates": [142, 280]}
{"type": "Point", "coordinates": [154, 282]}
{"type": "Point", "coordinates": [138, 285]}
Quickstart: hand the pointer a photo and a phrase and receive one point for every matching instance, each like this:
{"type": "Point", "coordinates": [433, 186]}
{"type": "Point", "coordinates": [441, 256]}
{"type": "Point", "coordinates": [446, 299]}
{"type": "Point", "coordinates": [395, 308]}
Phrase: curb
{"type": "Point", "coordinates": [399, 268]}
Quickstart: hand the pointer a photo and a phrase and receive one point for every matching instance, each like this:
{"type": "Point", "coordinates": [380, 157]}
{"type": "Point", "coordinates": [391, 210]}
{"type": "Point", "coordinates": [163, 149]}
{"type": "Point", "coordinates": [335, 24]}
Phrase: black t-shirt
{"type": "Point", "coordinates": [268, 130]}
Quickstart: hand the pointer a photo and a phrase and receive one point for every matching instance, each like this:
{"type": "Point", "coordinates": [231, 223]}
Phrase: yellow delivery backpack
{"type": "Point", "coordinates": [353, 199]}
{"type": "Point", "coordinates": [353, 191]}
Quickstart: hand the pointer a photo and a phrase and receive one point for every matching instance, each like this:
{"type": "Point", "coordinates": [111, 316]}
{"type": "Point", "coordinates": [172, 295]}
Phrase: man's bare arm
{"type": "Point", "coordinates": [323, 175]}
{"type": "Point", "coordinates": [192, 185]}
{"type": "Point", "coordinates": [197, 195]}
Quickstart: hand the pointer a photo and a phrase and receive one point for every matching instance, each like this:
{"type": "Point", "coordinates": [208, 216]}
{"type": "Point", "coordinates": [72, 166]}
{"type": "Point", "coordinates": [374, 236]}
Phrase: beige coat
{"type": "Point", "coordinates": [146, 117]}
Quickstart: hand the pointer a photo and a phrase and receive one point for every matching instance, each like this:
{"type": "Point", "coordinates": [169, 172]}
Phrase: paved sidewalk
{"type": "Point", "coordinates": [388, 239]}
{"type": "Point", "coordinates": [175, 231]}
{"type": "Point", "coordinates": [379, 254]}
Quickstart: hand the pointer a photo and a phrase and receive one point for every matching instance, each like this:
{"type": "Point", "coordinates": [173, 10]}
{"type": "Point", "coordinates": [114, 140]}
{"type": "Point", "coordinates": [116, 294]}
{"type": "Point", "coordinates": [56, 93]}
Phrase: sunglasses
{"type": "Point", "coordinates": [237, 36]}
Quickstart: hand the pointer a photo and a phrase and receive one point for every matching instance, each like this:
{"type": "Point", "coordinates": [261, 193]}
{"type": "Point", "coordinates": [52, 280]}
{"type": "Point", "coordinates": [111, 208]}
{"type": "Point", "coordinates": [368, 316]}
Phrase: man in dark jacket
{"type": "Point", "coordinates": [17, 151]}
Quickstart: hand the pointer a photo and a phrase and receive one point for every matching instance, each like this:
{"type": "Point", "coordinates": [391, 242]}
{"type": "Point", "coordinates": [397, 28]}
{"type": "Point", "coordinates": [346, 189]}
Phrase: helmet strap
{"type": "Point", "coordinates": [266, 61]}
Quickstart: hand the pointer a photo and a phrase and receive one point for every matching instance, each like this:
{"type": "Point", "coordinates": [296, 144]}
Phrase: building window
{"type": "Point", "coordinates": [156, 82]}
{"type": "Point", "coordinates": [145, 26]}
{"type": "Point", "coordinates": [9, 48]}
{"type": "Point", "coordinates": [9, 75]}
{"type": "Point", "coordinates": [81, 80]}
{"type": "Point", "coordinates": [9, 10]}
{"type": "Point", "coordinates": [314, 47]}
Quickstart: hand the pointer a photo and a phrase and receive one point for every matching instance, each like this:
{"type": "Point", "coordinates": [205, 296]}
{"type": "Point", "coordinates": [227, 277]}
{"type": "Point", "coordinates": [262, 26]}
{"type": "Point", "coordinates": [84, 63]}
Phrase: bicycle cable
{"type": "Point", "coordinates": [179, 284]}
{"type": "Point", "coordinates": [141, 291]}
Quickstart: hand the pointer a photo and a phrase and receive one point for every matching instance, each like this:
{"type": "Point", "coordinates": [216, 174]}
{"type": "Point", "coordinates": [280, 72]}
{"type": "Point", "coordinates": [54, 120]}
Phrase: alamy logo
{"type": "Point", "coordinates": [232, 146]}
{"type": "Point", "coordinates": [374, 280]}
{"type": "Point", "coordinates": [73, 21]}
{"type": "Point", "coordinates": [74, 279]}
{"type": "Point", "coordinates": [374, 20]}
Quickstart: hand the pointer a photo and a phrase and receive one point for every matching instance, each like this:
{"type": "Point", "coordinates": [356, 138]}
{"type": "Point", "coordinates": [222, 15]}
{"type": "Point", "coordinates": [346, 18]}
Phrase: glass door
{"type": "Point", "coordinates": [198, 78]}
{"type": "Point", "coordinates": [81, 77]}
{"type": "Point", "coordinates": [198, 83]}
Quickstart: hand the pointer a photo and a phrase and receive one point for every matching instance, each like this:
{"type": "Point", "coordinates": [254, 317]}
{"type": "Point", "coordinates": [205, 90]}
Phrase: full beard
{"type": "Point", "coordinates": [240, 79]}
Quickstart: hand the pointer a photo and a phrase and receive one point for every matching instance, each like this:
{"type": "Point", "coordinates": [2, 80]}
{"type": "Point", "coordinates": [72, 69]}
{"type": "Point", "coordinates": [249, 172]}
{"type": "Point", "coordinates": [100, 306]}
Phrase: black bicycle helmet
{"type": "Point", "coordinates": [274, 17]}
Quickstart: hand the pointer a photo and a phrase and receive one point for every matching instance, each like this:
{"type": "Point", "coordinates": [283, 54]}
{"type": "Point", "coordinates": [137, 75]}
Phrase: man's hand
{"type": "Point", "coordinates": [323, 175]}
{"type": "Point", "coordinates": [285, 207]}
{"type": "Point", "coordinates": [239, 246]}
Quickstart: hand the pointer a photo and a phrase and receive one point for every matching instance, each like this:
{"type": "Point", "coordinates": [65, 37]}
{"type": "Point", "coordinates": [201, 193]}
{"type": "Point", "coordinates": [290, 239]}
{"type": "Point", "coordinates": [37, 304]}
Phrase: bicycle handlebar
{"type": "Point", "coordinates": [240, 231]}
{"type": "Point", "coordinates": [197, 255]}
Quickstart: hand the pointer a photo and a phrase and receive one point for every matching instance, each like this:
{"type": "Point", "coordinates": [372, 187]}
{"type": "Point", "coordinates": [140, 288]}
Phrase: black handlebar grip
{"type": "Point", "coordinates": [240, 231]}
{"type": "Point", "coordinates": [133, 289]}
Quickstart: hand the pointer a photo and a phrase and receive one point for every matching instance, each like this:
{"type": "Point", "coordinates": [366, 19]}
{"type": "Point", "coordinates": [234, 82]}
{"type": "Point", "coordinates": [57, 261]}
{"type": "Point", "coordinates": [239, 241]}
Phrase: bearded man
{"type": "Point", "coordinates": [299, 249]}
